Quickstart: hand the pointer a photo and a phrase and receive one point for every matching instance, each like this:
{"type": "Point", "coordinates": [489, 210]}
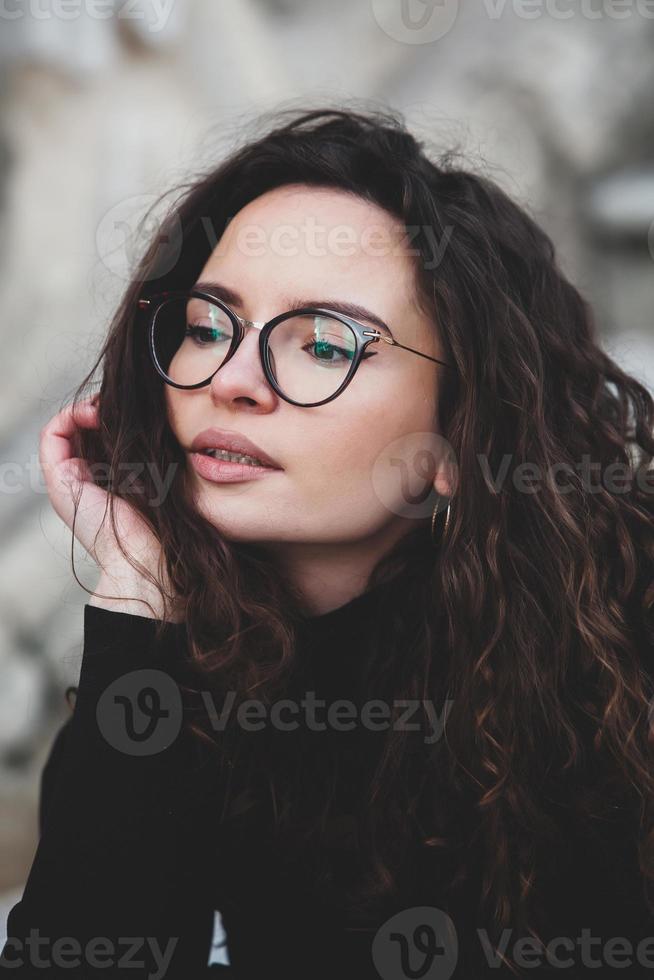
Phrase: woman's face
{"type": "Point", "coordinates": [344, 464]}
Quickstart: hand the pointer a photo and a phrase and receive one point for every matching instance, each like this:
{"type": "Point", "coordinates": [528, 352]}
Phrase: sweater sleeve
{"type": "Point", "coordinates": [120, 882]}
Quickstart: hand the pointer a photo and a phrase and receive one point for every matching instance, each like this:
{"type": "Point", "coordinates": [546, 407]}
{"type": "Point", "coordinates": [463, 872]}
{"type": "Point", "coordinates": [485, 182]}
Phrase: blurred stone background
{"type": "Point", "coordinates": [104, 106]}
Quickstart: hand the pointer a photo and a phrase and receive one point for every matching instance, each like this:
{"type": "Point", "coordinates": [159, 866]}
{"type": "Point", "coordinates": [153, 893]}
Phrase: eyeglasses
{"type": "Point", "coordinates": [309, 355]}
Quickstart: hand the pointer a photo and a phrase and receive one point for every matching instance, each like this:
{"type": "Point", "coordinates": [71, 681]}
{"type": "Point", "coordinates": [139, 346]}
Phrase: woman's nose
{"type": "Point", "coordinates": [242, 375]}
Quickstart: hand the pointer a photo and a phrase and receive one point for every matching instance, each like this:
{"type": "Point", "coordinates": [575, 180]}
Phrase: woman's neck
{"type": "Point", "coordinates": [330, 575]}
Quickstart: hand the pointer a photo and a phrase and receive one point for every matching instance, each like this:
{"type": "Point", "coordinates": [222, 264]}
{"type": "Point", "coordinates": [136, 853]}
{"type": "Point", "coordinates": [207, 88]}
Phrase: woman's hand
{"type": "Point", "coordinates": [65, 476]}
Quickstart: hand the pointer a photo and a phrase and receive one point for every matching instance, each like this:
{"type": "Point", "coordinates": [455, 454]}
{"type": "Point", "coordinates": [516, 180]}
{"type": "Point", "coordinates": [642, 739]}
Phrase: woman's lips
{"type": "Point", "coordinates": [225, 471]}
{"type": "Point", "coordinates": [234, 442]}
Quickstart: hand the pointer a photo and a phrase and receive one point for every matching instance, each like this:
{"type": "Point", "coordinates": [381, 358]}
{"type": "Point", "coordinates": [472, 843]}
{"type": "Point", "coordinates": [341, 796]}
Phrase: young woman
{"type": "Point", "coordinates": [369, 664]}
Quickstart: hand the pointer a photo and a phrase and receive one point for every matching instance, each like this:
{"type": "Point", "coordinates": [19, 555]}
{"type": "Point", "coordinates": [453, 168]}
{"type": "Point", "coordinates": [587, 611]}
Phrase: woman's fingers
{"type": "Point", "coordinates": [54, 446]}
{"type": "Point", "coordinates": [62, 471]}
{"type": "Point", "coordinates": [69, 483]}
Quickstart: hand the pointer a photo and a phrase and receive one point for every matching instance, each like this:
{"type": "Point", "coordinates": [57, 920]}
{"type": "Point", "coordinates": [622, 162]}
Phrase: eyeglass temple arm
{"type": "Point", "coordinates": [396, 343]}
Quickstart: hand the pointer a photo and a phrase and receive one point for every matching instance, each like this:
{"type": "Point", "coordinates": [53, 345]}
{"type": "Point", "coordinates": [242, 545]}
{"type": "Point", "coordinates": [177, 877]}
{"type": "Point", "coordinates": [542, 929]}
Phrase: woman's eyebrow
{"type": "Point", "coordinates": [355, 310]}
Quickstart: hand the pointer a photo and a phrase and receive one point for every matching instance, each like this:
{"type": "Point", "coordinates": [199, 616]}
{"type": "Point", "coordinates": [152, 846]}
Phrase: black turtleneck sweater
{"type": "Point", "coordinates": [131, 863]}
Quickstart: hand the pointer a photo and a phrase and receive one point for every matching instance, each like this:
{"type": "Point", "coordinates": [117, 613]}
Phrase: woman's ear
{"type": "Point", "coordinates": [445, 477]}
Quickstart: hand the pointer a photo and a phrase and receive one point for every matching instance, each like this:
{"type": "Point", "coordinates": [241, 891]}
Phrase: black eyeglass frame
{"type": "Point", "coordinates": [364, 336]}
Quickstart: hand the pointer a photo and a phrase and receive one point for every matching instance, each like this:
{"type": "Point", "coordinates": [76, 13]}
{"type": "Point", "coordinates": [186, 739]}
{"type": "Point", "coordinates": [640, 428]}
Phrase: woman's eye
{"type": "Point", "coordinates": [324, 351]}
{"type": "Point", "coordinates": [203, 335]}
{"type": "Point", "coordinates": [331, 353]}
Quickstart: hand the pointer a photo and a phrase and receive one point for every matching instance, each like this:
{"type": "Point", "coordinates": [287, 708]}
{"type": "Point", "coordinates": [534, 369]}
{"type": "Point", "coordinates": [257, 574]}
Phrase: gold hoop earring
{"type": "Point", "coordinates": [433, 520]}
